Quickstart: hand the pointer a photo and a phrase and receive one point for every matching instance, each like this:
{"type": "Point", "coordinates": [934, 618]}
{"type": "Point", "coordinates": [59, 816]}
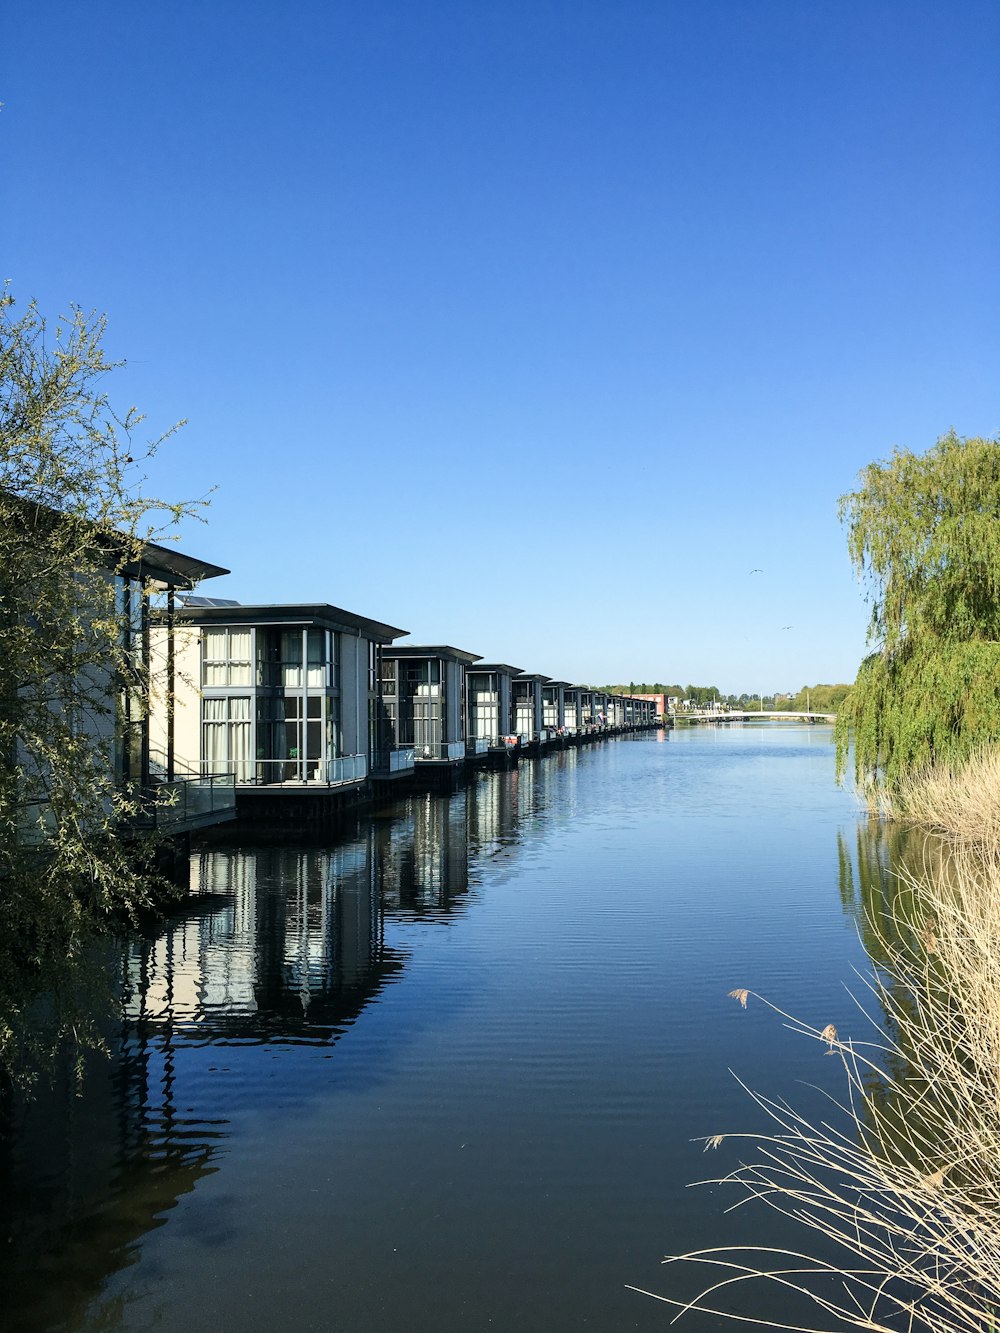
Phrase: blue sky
{"type": "Point", "coordinates": [530, 326]}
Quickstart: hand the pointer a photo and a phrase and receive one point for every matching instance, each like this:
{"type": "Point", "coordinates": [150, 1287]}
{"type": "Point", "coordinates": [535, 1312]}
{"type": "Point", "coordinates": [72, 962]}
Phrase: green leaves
{"type": "Point", "coordinates": [924, 534]}
{"type": "Point", "coordinates": [73, 517]}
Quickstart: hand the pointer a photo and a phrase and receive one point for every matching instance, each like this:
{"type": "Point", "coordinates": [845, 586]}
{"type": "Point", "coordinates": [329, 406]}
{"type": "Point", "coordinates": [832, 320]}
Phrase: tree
{"type": "Point", "coordinates": [73, 515]}
{"type": "Point", "coordinates": [924, 535]}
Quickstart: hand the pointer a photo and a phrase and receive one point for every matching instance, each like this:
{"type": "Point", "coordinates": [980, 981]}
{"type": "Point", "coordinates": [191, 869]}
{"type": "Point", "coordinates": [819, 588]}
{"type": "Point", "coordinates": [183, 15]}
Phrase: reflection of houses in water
{"type": "Point", "coordinates": [492, 820]}
{"type": "Point", "coordinates": [275, 945]}
{"type": "Point", "coordinates": [431, 867]}
{"type": "Point", "coordinates": [84, 1178]}
{"type": "Point", "coordinates": [288, 943]}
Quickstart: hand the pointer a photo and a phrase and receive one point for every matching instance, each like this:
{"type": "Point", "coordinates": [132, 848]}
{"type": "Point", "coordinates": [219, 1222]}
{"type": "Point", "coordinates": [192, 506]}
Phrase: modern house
{"type": "Point", "coordinates": [146, 593]}
{"type": "Point", "coordinates": [283, 697]}
{"type": "Point", "coordinates": [528, 722]}
{"type": "Point", "coordinates": [102, 692]}
{"type": "Point", "coordinates": [601, 721]}
{"type": "Point", "coordinates": [424, 698]}
{"type": "Point", "coordinates": [489, 696]}
{"type": "Point", "coordinates": [552, 705]}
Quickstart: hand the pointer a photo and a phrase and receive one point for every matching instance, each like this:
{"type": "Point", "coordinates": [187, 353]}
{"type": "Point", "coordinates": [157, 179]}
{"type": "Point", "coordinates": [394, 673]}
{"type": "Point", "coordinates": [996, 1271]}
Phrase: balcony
{"type": "Point", "coordinates": [475, 745]}
{"type": "Point", "coordinates": [394, 760]}
{"type": "Point", "coordinates": [440, 752]}
{"type": "Point", "coordinates": [295, 772]}
{"type": "Point", "coordinates": [194, 802]}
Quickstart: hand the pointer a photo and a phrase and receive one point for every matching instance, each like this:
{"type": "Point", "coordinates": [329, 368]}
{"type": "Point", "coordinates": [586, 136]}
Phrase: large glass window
{"type": "Point", "coordinates": [319, 648]}
{"type": "Point", "coordinates": [423, 678]}
{"type": "Point", "coordinates": [388, 677]}
{"type": "Point", "coordinates": [550, 707]}
{"type": "Point", "coordinates": [226, 736]}
{"type": "Point", "coordinates": [226, 657]}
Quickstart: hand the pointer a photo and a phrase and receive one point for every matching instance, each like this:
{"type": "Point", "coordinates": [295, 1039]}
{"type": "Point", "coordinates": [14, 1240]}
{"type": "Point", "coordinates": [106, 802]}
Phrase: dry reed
{"type": "Point", "coordinates": [960, 804]}
{"type": "Point", "coordinates": [904, 1178]}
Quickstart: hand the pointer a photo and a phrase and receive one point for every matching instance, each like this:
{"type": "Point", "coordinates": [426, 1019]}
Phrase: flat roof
{"type": "Point", "coordinates": [174, 567]}
{"type": "Point", "coordinates": [498, 666]}
{"type": "Point", "coordinates": [319, 614]}
{"type": "Point", "coordinates": [166, 564]}
{"type": "Point", "coordinates": [433, 650]}
{"type": "Point", "coordinates": [531, 675]}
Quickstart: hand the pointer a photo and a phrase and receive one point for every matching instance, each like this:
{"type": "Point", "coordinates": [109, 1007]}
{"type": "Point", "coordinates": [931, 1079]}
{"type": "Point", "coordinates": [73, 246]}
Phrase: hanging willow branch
{"type": "Point", "coordinates": [924, 536]}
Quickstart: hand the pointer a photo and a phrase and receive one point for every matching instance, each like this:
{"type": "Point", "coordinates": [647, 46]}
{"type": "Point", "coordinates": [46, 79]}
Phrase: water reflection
{"type": "Point", "coordinates": [885, 886]}
{"type": "Point", "coordinates": [276, 945]}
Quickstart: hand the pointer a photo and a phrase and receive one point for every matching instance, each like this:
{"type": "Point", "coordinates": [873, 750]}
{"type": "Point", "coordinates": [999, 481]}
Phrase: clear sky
{"type": "Point", "coordinates": [533, 326]}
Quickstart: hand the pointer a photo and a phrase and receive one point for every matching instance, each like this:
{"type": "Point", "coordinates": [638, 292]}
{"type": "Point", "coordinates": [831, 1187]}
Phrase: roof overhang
{"type": "Point", "coordinates": [503, 667]}
{"type": "Point", "coordinates": [442, 650]}
{"type": "Point", "coordinates": [318, 615]}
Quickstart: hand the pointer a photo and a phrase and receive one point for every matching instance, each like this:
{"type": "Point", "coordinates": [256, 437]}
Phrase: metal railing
{"type": "Point", "coordinates": [395, 759]}
{"type": "Point", "coordinates": [347, 768]}
{"type": "Point", "coordinates": [439, 750]}
{"type": "Point", "coordinates": [298, 772]}
{"type": "Point", "coordinates": [194, 800]}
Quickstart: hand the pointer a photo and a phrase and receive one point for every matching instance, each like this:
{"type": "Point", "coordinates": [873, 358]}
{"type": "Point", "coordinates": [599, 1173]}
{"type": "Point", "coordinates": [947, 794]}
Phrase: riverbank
{"type": "Point", "coordinates": [903, 1180]}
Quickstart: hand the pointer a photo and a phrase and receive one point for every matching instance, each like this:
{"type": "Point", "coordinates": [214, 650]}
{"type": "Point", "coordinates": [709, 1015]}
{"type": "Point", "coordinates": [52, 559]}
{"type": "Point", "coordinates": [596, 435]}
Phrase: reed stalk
{"type": "Point", "coordinates": [903, 1179]}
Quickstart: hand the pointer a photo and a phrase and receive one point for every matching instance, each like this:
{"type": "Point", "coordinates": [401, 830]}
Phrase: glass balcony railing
{"type": "Point", "coordinates": [439, 751]}
{"type": "Point", "coordinates": [394, 759]}
{"type": "Point", "coordinates": [293, 770]}
{"type": "Point", "coordinates": [347, 768]}
{"type": "Point", "coordinates": [477, 745]}
{"type": "Point", "coordinates": [192, 801]}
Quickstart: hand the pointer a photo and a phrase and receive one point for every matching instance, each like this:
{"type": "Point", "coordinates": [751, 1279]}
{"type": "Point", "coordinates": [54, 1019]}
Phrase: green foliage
{"type": "Point", "coordinates": [70, 509]}
{"type": "Point", "coordinates": [657, 687]}
{"type": "Point", "coordinates": [929, 702]}
{"type": "Point", "coordinates": [924, 535]}
{"type": "Point", "coordinates": [815, 699]}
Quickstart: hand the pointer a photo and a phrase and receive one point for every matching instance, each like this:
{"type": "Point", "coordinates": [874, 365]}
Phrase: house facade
{"type": "Point", "coordinates": [424, 698]}
{"type": "Point", "coordinates": [279, 695]}
{"type": "Point", "coordinates": [489, 695]}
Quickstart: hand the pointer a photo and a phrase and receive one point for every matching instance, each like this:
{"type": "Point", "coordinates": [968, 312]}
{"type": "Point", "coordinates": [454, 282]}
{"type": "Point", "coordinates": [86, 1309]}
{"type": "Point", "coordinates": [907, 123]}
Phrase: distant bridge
{"type": "Point", "coordinates": [734, 715]}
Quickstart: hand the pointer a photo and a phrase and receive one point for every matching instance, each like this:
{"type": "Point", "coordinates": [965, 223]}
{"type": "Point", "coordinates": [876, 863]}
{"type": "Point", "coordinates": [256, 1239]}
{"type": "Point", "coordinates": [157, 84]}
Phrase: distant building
{"type": "Point", "coordinates": [660, 701]}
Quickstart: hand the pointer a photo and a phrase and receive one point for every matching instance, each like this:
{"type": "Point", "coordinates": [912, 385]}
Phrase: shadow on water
{"type": "Point", "coordinates": [277, 944]}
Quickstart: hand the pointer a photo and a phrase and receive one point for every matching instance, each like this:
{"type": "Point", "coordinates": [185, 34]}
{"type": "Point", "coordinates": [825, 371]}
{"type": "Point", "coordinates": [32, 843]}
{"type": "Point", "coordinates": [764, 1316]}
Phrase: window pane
{"type": "Point", "coordinates": [239, 645]}
{"type": "Point", "coordinates": [215, 645]}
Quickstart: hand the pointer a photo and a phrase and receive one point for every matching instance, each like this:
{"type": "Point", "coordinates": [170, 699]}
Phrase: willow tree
{"type": "Point", "coordinates": [73, 515]}
{"type": "Point", "coordinates": [924, 536]}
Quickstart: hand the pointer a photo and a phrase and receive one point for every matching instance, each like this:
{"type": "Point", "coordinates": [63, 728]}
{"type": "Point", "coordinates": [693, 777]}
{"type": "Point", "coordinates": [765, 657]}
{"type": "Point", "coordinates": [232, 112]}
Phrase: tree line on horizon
{"type": "Point", "coordinates": [816, 698]}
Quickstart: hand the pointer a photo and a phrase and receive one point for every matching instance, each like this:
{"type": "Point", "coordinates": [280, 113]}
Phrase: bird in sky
{"type": "Point", "coordinates": [788, 627]}
{"type": "Point", "coordinates": [756, 571]}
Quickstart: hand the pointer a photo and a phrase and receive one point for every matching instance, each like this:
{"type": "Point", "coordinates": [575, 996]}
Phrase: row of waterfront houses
{"type": "Point", "coordinates": [305, 700]}
{"type": "Point", "coordinates": [230, 708]}
{"type": "Point", "coordinates": [301, 700]}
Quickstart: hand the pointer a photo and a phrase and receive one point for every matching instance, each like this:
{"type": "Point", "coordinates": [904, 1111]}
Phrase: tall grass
{"type": "Point", "coordinates": [903, 1179]}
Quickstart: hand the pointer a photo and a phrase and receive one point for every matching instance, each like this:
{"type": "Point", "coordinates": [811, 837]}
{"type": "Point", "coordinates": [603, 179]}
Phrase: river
{"type": "Point", "coordinates": [455, 1070]}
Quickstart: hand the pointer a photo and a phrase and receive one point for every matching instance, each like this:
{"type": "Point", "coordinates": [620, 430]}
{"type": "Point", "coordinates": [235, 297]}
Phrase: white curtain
{"type": "Point", "coordinates": [226, 737]}
{"type": "Point", "coordinates": [239, 737]}
{"type": "Point", "coordinates": [239, 657]}
{"type": "Point", "coordinates": [215, 651]}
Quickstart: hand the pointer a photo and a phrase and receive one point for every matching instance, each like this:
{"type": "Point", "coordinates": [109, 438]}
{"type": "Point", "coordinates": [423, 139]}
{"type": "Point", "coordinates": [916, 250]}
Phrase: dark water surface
{"type": "Point", "coordinates": [444, 1074]}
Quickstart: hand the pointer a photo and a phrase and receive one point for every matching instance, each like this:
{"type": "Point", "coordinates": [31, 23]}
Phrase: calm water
{"type": "Point", "coordinates": [444, 1074]}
